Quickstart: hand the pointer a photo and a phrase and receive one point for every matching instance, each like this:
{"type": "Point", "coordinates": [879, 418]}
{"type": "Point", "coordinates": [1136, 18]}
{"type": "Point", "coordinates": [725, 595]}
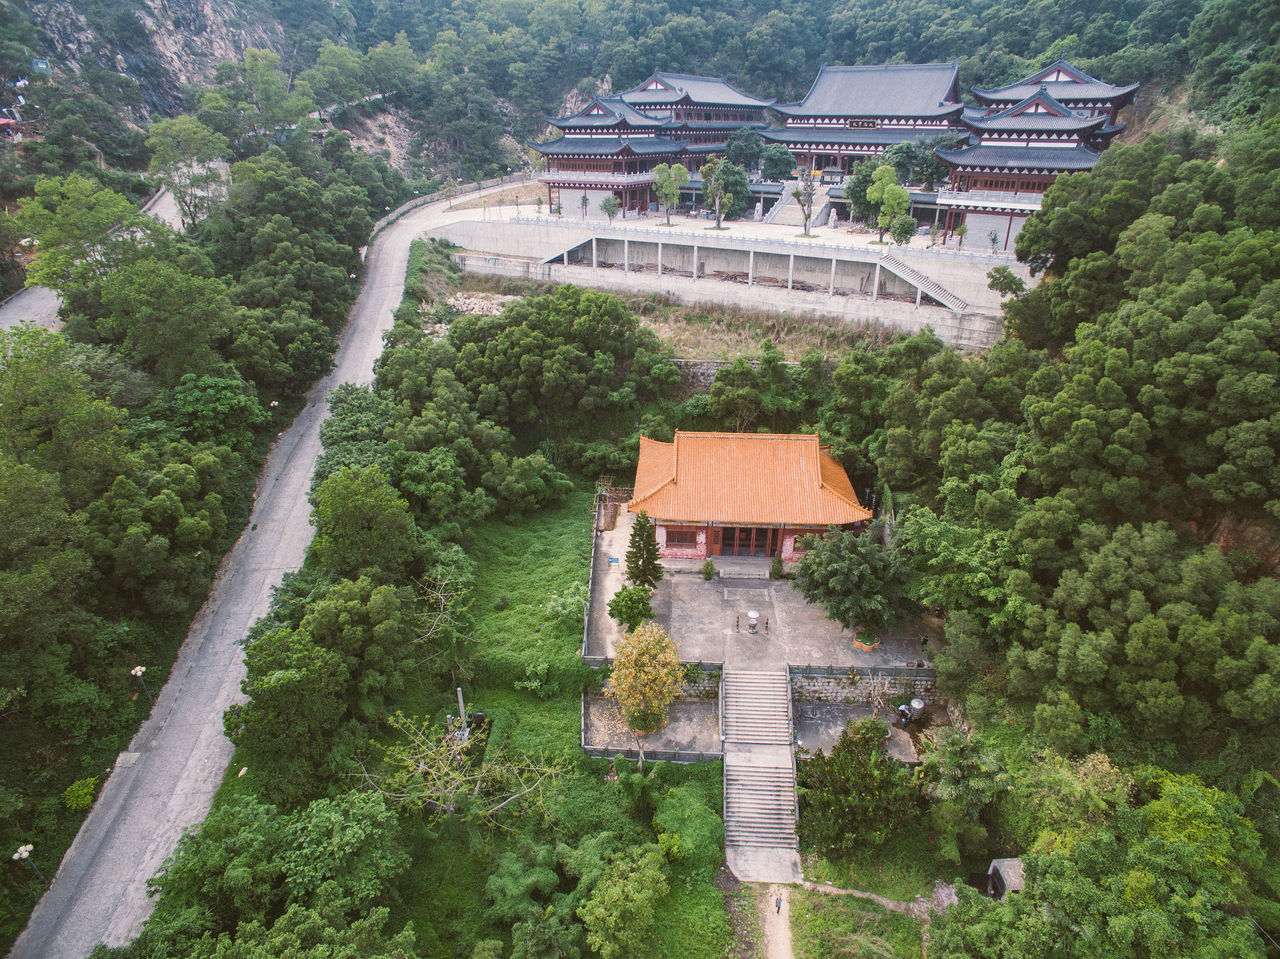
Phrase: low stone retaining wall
{"type": "Point", "coordinates": [854, 686]}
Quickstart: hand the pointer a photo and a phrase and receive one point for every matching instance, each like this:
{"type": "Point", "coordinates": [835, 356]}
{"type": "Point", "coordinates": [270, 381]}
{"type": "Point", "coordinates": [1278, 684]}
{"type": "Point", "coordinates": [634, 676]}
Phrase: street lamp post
{"type": "Point", "coordinates": [140, 672]}
{"type": "Point", "coordinates": [24, 855]}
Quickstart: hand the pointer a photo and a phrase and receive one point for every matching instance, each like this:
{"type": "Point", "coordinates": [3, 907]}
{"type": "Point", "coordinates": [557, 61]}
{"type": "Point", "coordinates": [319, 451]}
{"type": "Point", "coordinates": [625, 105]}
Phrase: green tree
{"type": "Point", "coordinates": [715, 186]}
{"type": "Point", "coordinates": [363, 523]}
{"type": "Point", "coordinates": [891, 199]}
{"type": "Point", "coordinates": [744, 148]}
{"type": "Point", "coordinates": [643, 567]}
{"type": "Point", "coordinates": [856, 185]}
{"type": "Point", "coordinates": [164, 317]}
{"type": "Point", "coordinates": [668, 181]}
{"type": "Point", "coordinates": [609, 206]}
{"type": "Point", "coordinates": [630, 606]}
{"type": "Point", "coordinates": [859, 580]}
{"type": "Point", "coordinates": [647, 676]}
{"type": "Point", "coordinates": [856, 796]}
{"type": "Point", "coordinates": [621, 911]}
{"type": "Point", "coordinates": [964, 775]}
{"type": "Point", "coordinates": [183, 159]}
{"type": "Point", "coordinates": [902, 229]}
{"type": "Point", "coordinates": [295, 711]}
{"type": "Point", "coordinates": [777, 162]}
{"type": "Point", "coordinates": [84, 231]}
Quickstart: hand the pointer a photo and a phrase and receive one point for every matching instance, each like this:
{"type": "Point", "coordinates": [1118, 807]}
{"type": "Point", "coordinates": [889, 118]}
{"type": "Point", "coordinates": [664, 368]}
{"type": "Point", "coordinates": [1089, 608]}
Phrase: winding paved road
{"type": "Point", "coordinates": [165, 782]}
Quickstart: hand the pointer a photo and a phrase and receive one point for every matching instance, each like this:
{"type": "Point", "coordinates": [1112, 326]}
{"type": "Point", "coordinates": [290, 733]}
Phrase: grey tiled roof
{"type": "Point", "coordinates": [911, 90]}
{"type": "Point", "coordinates": [1055, 116]}
{"type": "Point", "coordinates": [710, 90]}
{"type": "Point", "coordinates": [1076, 157]}
{"type": "Point", "coordinates": [615, 109]}
{"type": "Point", "coordinates": [607, 146]}
{"type": "Point", "coordinates": [1083, 88]}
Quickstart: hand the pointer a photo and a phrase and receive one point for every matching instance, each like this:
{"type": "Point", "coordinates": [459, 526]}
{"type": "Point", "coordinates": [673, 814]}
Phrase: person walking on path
{"type": "Point", "coordinates": [777, 902]}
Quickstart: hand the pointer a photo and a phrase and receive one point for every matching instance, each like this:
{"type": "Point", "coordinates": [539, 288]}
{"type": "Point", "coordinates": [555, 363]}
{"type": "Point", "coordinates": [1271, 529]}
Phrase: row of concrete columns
{"type": "Point", "coordinates": [751, 268]}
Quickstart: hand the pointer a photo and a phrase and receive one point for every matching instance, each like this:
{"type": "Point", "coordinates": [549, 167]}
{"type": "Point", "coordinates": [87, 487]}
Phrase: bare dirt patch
{"type": "Point", "coordinates": [386, 134]}
{"type": "Point", "coordinates": [744, 916]}
{"type": "Point", "coordinates": [481, 304]}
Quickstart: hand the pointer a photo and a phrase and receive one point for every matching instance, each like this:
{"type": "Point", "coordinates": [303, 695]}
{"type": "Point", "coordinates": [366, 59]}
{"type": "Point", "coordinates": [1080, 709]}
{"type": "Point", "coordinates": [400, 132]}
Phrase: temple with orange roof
{"type": "Point", "coordinates": [741, 494]}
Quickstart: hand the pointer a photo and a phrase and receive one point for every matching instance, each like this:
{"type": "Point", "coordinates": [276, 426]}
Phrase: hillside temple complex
{"type": "Point", "coordinates": [1002, 153]}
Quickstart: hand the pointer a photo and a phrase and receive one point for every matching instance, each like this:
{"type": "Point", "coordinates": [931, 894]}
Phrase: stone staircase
{"type": "Point", "coordinates": [757, 708]}
{"type": "Point", "coordinates": [930, 287]}
{"type": "Point", "coordinates": [759, 777]}
{"type": "Point", "coordinates": [786, 211]}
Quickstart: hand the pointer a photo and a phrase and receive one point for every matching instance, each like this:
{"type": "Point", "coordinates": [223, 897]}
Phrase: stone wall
{"type": "Point", "coordinates": [918, 684]}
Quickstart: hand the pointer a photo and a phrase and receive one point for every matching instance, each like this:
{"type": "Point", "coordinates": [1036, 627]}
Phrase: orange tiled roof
{"type": "Point", "coordinates": [744, 479]}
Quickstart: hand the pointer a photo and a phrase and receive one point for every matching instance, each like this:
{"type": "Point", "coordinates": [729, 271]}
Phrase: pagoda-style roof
{"type": "Point", "coordinates": [1039, 112]}
{"type": "Point", "coordinates": [891, 90]}
{"type": "Point", "coordinates": [1063, 158]}
{"type": "Point", "coordinates": [609, 146]}
{"type": "Point", "coordinates": [667, 88]}
{"type": "Point", "coordinates": [607, 112]}
{"type": "Point", "coordinates": [744, 479]}
{"type": "Point", "coordinates": [1063, 81]}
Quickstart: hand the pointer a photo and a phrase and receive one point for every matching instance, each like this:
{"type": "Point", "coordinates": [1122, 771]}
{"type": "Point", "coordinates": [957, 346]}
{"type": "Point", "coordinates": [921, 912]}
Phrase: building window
{"type": "Point", "coordinates": [682, 536]}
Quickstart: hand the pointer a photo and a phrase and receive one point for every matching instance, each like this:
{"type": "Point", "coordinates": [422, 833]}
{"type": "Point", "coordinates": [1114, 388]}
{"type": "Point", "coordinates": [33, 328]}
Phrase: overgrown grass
{"type": "Point", "coordinates": [903, 868]}
{"type": "Point", "coordinates": [724, 333]}
{"type": "Point", "coordinates": [692, 923]}
{"type": "Point", "coordinates": [825, 926]}
{"type": "Point", "coordinates": [520, 563]}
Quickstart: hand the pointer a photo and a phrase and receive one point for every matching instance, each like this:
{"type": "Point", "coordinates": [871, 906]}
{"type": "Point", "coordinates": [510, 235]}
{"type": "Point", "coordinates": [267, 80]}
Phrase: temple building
{"type": "Point", "coordinates": [1022, 138]}
{"type": "Point", "coordinates": [741, 494]}
{"type": "Point", "coordinates": [856, 113]}
{"type": "Point", "coordinates": [611, 146]}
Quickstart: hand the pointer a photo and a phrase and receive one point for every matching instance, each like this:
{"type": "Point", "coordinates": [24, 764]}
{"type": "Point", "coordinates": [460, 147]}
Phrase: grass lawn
{"type": "Point", "coordinates": [825, 926]}
{"type": "Point", "coordinates": [519, 565]}
{"type": "Point", "coordinates": [905, 867]}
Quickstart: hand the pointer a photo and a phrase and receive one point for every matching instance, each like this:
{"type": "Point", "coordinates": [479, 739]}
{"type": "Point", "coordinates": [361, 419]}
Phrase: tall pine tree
{"type": "Point", "coordinates": [643, 568]}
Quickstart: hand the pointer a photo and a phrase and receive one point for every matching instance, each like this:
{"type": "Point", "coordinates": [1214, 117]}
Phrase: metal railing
{"type": "Point", "coordinates": [604, 176]}
{"type": "Point", "coordinates": [1018, 201]}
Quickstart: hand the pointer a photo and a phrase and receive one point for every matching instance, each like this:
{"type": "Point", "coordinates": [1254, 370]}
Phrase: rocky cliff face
{"type": "Point", "coordinates": [162, 44]}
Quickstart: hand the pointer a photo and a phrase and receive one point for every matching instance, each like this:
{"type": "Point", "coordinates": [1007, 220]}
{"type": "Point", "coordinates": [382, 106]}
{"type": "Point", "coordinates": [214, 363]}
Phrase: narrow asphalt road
{"type": "Point", "coordinates": [165, 782]}
{"type": "Point", "coordinates": [36, 304]}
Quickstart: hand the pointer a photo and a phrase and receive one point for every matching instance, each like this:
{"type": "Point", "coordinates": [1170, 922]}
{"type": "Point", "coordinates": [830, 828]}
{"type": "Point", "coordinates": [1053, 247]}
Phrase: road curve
{"type": "Point", "coordinates": [165, 782]}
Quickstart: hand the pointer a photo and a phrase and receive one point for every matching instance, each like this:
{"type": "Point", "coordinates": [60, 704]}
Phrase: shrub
{"type": "Point", "coordinates": [689, 832]}
{"type": "Point", "coordinates": [775, 569]}
{"type": "Point", "coordinates": [630, 606]}
{"type": "Point", "coordinates": [79, 795]}
{"type": "Point", "coordinates": [708, 570]}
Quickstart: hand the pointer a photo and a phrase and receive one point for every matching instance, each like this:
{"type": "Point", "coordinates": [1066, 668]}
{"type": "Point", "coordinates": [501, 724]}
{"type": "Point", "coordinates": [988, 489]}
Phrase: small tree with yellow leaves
{"type": "Point", "coordinates": [646, 677]}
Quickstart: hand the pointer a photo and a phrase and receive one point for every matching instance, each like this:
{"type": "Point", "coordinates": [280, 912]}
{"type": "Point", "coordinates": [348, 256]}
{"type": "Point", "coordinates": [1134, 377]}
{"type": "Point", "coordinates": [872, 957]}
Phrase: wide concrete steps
{"type": "Point", "coordinates": [760, 806]}
{"type": "Point", "coordinates": [757, 708]}
{"type": "Point", "coordinates": [759, 778]}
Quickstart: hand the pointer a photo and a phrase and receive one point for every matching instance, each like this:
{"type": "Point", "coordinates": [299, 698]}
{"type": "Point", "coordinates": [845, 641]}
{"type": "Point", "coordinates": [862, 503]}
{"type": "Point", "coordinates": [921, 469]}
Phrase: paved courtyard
{"type": "Point", "coordinates": [693, 725]}
{"type": "Point", "coordinates": [708, 618]}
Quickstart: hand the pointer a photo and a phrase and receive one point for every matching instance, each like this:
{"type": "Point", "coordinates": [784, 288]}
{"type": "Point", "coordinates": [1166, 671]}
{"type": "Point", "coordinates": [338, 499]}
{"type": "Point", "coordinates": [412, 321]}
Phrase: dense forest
{"type": "Point", "coordinates": [1091, 506]}
{"type": "Point", "coordinates": [469, 76]}
{"type": "Point", "coordinates": [132, 440]}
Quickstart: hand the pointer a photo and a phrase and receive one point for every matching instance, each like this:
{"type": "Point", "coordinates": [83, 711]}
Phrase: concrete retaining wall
{"type": "Point", "coordinates": [969, 331]}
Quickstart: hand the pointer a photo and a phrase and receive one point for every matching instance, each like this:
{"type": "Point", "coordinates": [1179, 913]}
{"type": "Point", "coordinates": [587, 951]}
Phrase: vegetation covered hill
{"type": "Point", "coordinates": [469, 74]}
